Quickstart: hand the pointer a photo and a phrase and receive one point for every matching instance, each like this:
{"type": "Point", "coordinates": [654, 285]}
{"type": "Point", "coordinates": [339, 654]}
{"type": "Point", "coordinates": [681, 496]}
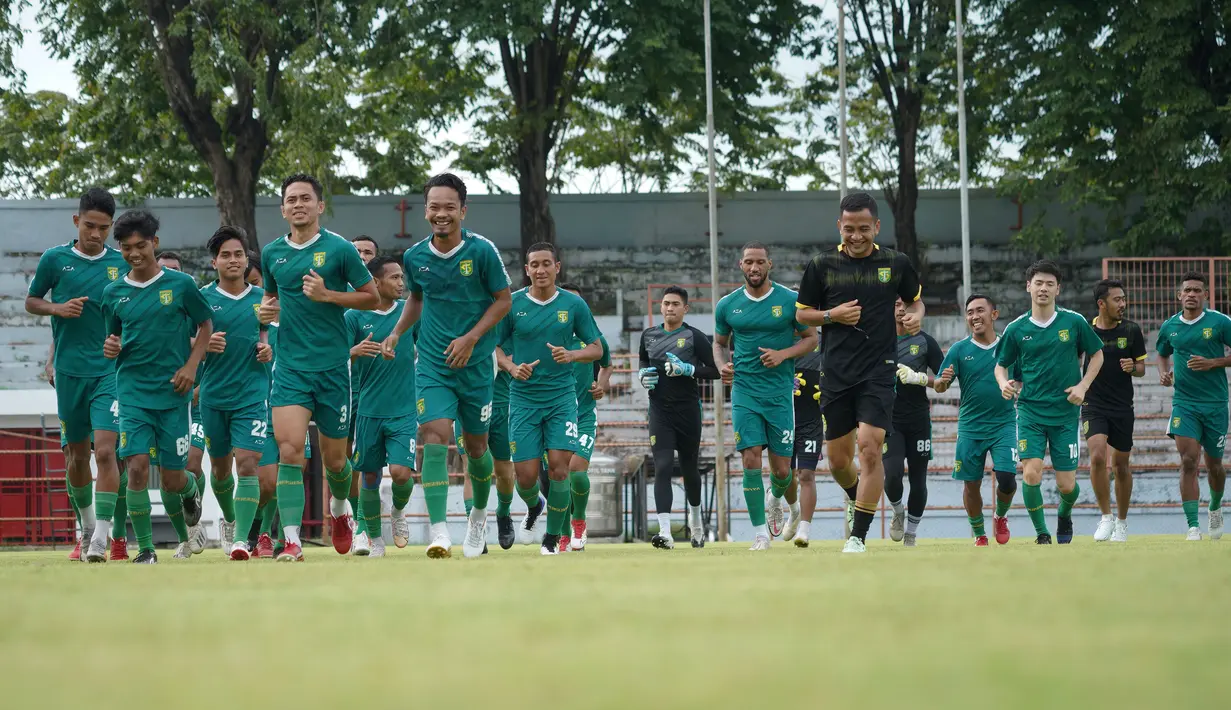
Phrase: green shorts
{"type": "Point", "coordinates": [1204, 422]}
{"type": "Point", "coordinates": [354, 415]}
{"type": "Point", "coordinates": [771, 423]}
{"type": "Point", "coordinates": [535, 429]}
{"type": "Point", "coordinates": [463, 395]}
{"type": "Point", "coordinates": [497, 434]}
{"type": "Point", "coordinates": [970, 455]}
{"type": "Point", "coordinates": [198, 426]}
{"type": "Point", "coordinates": [326, 394]}
{"type": "Point", "coordinates": [1063, 441]}
{"type": "Point", "coordinates": [587, 428]}
{"type": "Point", "coordinates": [86, 405]}
{"type": "Point", "coordinates": [245, 428]}
{"type": "Point", "coordinates": [161, 433]}
{"type": "Point", "coordinates": [384, 440]}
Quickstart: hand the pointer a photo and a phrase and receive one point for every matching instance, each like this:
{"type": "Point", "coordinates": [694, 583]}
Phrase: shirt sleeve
{"type": "Point", "coordinates": [704, 350]}
{"type": "Point", "coordinates": [495, 277]}
{"type": "Point", "coordinates": [352, 327]}
{"type": "Point", "coordinates": [353, 269]}
{"type": "Point", "coordinates": [951, 359]}
{"type": "Point", "coordinates": [412, 283]}
{"type": "Point", "coordinates": [605, 360]}
{"type": "Point", "coordinates": [812, 289]}
{"type": "Point", "coordinates": [44, 276]}
{"type": "Point", "coordinates": [271, 284]}
{"type": "Point", "coordinates": [584, 326]}
{"type": "Point", "coordinates": [1164, 343]}
{"type": "Point", "coordinates": [909, 288]}
{"type": "Point", "coordinates": [197, 307]}
{"type": "Point", "coordinates": [1007, 350]}
{"type": "Point", "coordinates": [1090, 342]}
{"type": "Point", "coordinates": [110, 321]}
{"type": "Point", "coordinates": [643, 355]}
{"type": "Point", "coordinates": [935, 354]}
{"type": "Point", "coordinates": [1137, 344]}
{"type": "Point", "coordinates": [721, 327]}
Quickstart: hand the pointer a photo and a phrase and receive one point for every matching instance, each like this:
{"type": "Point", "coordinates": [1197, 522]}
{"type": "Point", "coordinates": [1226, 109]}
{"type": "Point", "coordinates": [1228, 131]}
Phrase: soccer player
{"type": "Point", "coordinates": [1196, 337]}
{"type": "Point", "coordinates": [76, 274]}
{"type": "Point", "coordinates": [809, 433]}
{"type": "Point", "coordinates": [674, 358]}
{"type": "Point", "coordinates": [459, 286]}
{"type": "Point", "coordinates": [910, 440]}
{"type": "Point", "coordinates": [306, 275]}
{"type": "Point", "coordinates": [850, 291]}
{"type": "Point", "coordinates": [234, 390]}
{"type": "Point", "coordinates": [362, 544]}
{"type": "Point", "coordinates": [758, 324]}
{"type": "Point", "coordinates": [543, 323]}
{"type": "Point", "coordinates": [986, 421]}
{"type": "Point", "coordinates": [151, 317]}
{"type": "Point", "coordinates": [1047, 344]}
{"type": "Point", "coordinates": [1107, 414]}
{"type": "Point", "coordinates": [386, 423]}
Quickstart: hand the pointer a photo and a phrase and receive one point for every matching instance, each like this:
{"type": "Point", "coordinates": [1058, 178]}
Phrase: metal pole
{"type": "Point", "coordinates": [720, 460]}
{"type": "Point", "coordinates": [961, 152]}
{"type": "Point", "coordinates": [842, 96]}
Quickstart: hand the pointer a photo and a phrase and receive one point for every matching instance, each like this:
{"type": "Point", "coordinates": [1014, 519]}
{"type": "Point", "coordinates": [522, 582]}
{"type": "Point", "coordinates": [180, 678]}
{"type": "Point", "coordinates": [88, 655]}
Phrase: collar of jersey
{"type": "Point", "coordinates": [390, 309]}
{"type": "Point", "coordinates": [981, 346]}
{"type": "Point", "coordinates": [241, 295]}
{"type": "Point", "coordinates": [431, 244]}
{"type": "Point", "coordinates": [128, 279]}
{"type": "Point", "coordinates": [755, 299]}
{"type": "Point", "coordinates": [1049, 320]}
{"type": "Point", "coordinates": [82, 255]}
{"type": "Point", "coordinates": [683, 325]}
{"type": "Point", "coordinates": [542, 303]}
{"type": "Point", "coordinates": [305, 245]}
{"type": "Point", "coordinates": [1194, 320]}
{"type": "Point", "coordinates": [875, 247]}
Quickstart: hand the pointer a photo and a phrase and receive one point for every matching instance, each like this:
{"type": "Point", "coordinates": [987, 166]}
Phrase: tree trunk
{"type": "Point", "coordinates": [236, 199]}
{"type": "Point", "coordinates": [537, 224]}
{"type": "Point", "coordinates": [906, 197]}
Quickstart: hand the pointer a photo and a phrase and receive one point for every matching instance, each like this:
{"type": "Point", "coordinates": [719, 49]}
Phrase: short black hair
{"type": "Point", "coordinates": [1195, 276]}
{"type": "Point", "coordinates": [858, 202]}
{"type": "Point", "coordinates": [96, 199]}
{"type": "Point", "coordinates": [225, 233]}
{"type": "Point", "coordinates": [1102, 288]}
{"type": "Point", "coordinates": [1043, 266]}
{"type": "Point", "coordinates": [543, 246]}
{"type": "Point", "coordinates": [303, 177]}
{"type": "Point", "coordinates": [254, 264]}
{"type": "Point", "coordinates": [677, 291]}
{"type": "Point", "coordinates": [366, 238]}
{"type": "Point", "coordinates": [132, 222]}
{"type": "Point", "coordinates": [753, 245]}
{"type": "Point", "coordinates": [569, 286]}
{"type": "Point", "coordinates": [446, 180]}
{"type": "Point", "coordinates": [379, 262]}
{"type": "Point", "coordinates": [976, 296]}
{"type": "Point", "coordinates": [173, 256]}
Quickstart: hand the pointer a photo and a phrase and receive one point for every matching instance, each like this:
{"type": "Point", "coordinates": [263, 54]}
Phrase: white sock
{"type": "Point", "coordinates": [88, 521]}
{"type": "Point", "coordinates": [897, 508]}
{"type": "Point", "coordinates": [1108, 517]}
{"type": "Point", "coordinates": [795, 509]}
{"type": "Point", "coordinates": [760, 531]}
{"type": "Point", "coordinates": [912, 524]}
{"type": "Point", "coordinates": [102, 531]}
{"type": "Point", "coordinates": [1124, 520]}
{"type": "Point", "coordinates": [439, 530]}
{"type": "Point", "coordinates": [805, 527]}
{"type": "Point", "coordinates": [664, 524]}
{"type": "Point", "coordinates": [291, 534]}
{"type": "Point", "coordinates": [694, 517]}
{"type": "Point", "coordinates": [478, 514]}
{"type": "Point", "coordinates": [339, 508]}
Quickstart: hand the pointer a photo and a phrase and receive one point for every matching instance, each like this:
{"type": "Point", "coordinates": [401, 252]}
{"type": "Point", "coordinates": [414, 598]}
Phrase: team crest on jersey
{"type": "Point", "coordinates": [1064, 336]}
{"type": "Point", "coordinates": [1175, 423]}
{"type": "Point", "coordinates": [421, 406]}
{"type": "Point", "coordinates": [165, 297]}
{"type": "Point", "coordinates": [1207, 333]}
{"type": "Point", "coordinates": [318, 258]}
{"type": "Point", "coordinates": [884, 274]}
{"type": "Point", "coordinates": [1021, 445]}
{"type": "Point", "coordinates": [1085, 427]}
{"type": "Point", "coordinates": [256, 310]}
{"type": "Point", "coordinates": [957, 466]}
{"type": "Point", "coordinates": [914, 350]}
{"type": "Point", "coordinates": [1122, 343]}
{"type": "Point", "coordinates": [466, 267]}
{"type": "Point", "coordinates": [512, 447]}
{"type": "Point", "coordinates": [123, 440]}
{"type": "Point", "coordinates": [777, 311]}
{"type": "Point", "coordinates": [653, 439]}
{"type": "Point", "coordinates": [679, 342]}
{"type": "Point", "coordinates": [113, 272]}
{"type": "Point", "coordinates": [562, 316]}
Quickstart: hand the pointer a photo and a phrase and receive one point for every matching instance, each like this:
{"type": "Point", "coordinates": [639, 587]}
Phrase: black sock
{"type": "Point", "coordinates": [863, 521]}
{"type": "Point", "coordinates": [853, 491]}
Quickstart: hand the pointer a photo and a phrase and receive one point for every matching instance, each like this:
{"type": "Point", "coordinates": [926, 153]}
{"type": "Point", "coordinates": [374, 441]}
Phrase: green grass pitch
{"type": "Point", "coordinates": [1141, 625]}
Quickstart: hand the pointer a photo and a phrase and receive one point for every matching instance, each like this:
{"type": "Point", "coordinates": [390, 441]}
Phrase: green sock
{"type": "Point", "coordinates": [198, 483]}
{"type": "Point", "coordinates": [530, 496]}
{"type": "Point", "coordinates": [290, 494]}
{"type": "Point", "coordinates": [469, 503]}
{"type": "Point", "coordinates": [557, 506]}
{"type": "Point", "coordinates": [104, 506]}
{"type": "Point", "coordinates": [224, 491]}
{"type": "Point", "coordinates": [1067, 500]}
{"type": "Point", "coordinates": [174, 504]}
{"type": "Point", "coordinates": [401, 493]}
{"type": "Point", "coordinates": [247, 496]}
{"type": "Point", "coordinates": [339, 482]}
{"type": "Point", "coordinates": [1215, 499]}
{"type": "Point", "coordinates": [754, 495]}
{"type": "Point", "coordinates": [1032, 496]}
{"type": "Point", "coordinates": [139, 513]}
{"type": "Point", "coordinates": [119, 521]}
{"type": "Point", "coordinates": [976, 526]}
{"type": "Point", "coordinates": [1190, 513]}
{"type": "Point", "coordinates": [354, 501]}
{"type": "Point", "coordinates": [267, 515]}
{"type": "Point", "coordinates": [1002, 507]}
{"type": "Point", "coordinates": [83, 496]}
{"type": "Point", "coordinates": [580, 482]}
{"type": "Point", "coordinates": [480, 471]}
{"type": "Point", "coordinates": [504, 504]}
{"type": "Point", "coordinates": [191, 488]}
{"type": "Point", "coordinates": [72, 500]}
{"type": "Point", "coordinates": [369, 500]}
{"type": "Point", "coordinates": [436, 481]}
{"type": "Point", "coordinates": [778, 486]}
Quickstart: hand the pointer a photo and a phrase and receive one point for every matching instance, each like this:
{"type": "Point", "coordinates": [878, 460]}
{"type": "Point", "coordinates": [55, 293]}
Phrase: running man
{"type": "Point", "coordinates": [1047, 344]}
{"type": "Point", "coordinates": [362, 544]}
{"type": "Point", "coordinates": [1196, 337]}
{"type": "Point", "coordinates": [761, 372]}
{"type": "Point", "coordinates": [1107, 415]}
{"type": "Point", "coordinates": [306, 277]}
{"type": "Point", "coordinates": [809, 435]}
{"type": "Point", "coordinates": [386, 423]}
{"type": "Point", "coordinates": [850, 291]}
{"type": "Point", "coordinates": [674, 358]}
{"type": "Point", "coordinates": [151, 317]}
{"type": "Point", "coordinates": [910, 441]}
{"type": "Point", "coordinates": [460, 289]}
{"type": "Point", "coordinates": [986, 421]}
{"type": "Point", "coordinates": [234, 390]}
{"type": "Point", "coordinates": [75, 274]}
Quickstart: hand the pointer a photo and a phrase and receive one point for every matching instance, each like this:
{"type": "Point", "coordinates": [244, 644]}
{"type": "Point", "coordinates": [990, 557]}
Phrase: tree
{"type": "Point", "coordinates": [1121, 109]}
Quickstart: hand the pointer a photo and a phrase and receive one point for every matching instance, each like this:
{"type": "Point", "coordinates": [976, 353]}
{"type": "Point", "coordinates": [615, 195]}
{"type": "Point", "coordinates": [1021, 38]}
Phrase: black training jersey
{"type": "Point", "coordinates": [688, 344]}
{"type": "Point", "coordinates": [1112, 389]}
{"type": "Point", "coordinates": [864, 351]}
{"type": "Point", "coordinates": [807, 404]}
{"type": "Point", "coordinates": [919, 352]}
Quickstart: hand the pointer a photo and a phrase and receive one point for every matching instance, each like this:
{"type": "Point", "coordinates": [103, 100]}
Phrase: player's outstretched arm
{"type": "Point", "coordinates": [495, 313]}
{"type": "Point", "coordinates": [410, 316]}
{"type": "Point", "coordinates": [1077, 393]}
{"type": "Point", "coordinates": [363, 298]}
{"type": "Point", "coordinates": [705, 367]}
{"type": "Point", "coordinates": [804, 345]}
{"type": "Point", "coordinates": [726, 370]}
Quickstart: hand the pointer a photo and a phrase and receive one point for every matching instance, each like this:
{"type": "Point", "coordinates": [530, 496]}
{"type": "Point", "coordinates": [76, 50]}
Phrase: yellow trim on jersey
{"type": "Point", "coordinates": [1142, 358]}
{"type": "Point", "coordinates": [918, 295]}
{"type": "Point", "coordinates": [801, 306]}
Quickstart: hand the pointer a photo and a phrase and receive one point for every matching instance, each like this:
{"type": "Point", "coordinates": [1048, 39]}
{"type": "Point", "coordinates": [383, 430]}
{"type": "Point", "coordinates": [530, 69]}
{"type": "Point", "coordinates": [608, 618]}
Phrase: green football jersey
{"type": "Point", "coordinates": [1049, 355]}
{"type": "Point", "coordinates": [233, 378]}
{"type": "Point", "coordinates": [583, 375]}
{"type": "Point", "coordinates": [457, 289]}
{"type": "Point", "coordinates": [386, 387]}
{"type": "Point", "coordinates": [156, 322]}
{"type": "Point", "coordinates": [755, 323]}
{"type": "Point", "coordinates": [1207, 336]}
{"type": "Point", "coordinates": [315, 335]}
{"type": "Point", "coordinates": [525, 334]}
{"type": "Point", "coordinates": [983, 411]}
{"type": "Point", "coordinates": [69, 274]}
{"type": "Point", "coordinates": [500, 389]}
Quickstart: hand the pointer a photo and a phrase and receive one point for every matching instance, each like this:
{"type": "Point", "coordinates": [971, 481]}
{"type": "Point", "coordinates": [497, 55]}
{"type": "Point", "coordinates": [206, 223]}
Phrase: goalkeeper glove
{"type": "Point", "coordinates": [908, 376]}
{"type": "Point", "coordinates": [649, 377]}
{"type": "Point", "coordinates": [677, 367]}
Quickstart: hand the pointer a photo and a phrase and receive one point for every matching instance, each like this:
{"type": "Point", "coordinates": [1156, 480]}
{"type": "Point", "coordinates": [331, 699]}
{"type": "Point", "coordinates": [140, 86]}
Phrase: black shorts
{"type": "Point", "coordinates": [869, 402]}
{"type": "Point", "coordinates": [675, 427]}
{"type": "Point", "coordinates": [908, 441]}
{"type": "Point", "coordinates": [1117, 427]}
{"type": "Point", "coordinates": [809, 438]}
